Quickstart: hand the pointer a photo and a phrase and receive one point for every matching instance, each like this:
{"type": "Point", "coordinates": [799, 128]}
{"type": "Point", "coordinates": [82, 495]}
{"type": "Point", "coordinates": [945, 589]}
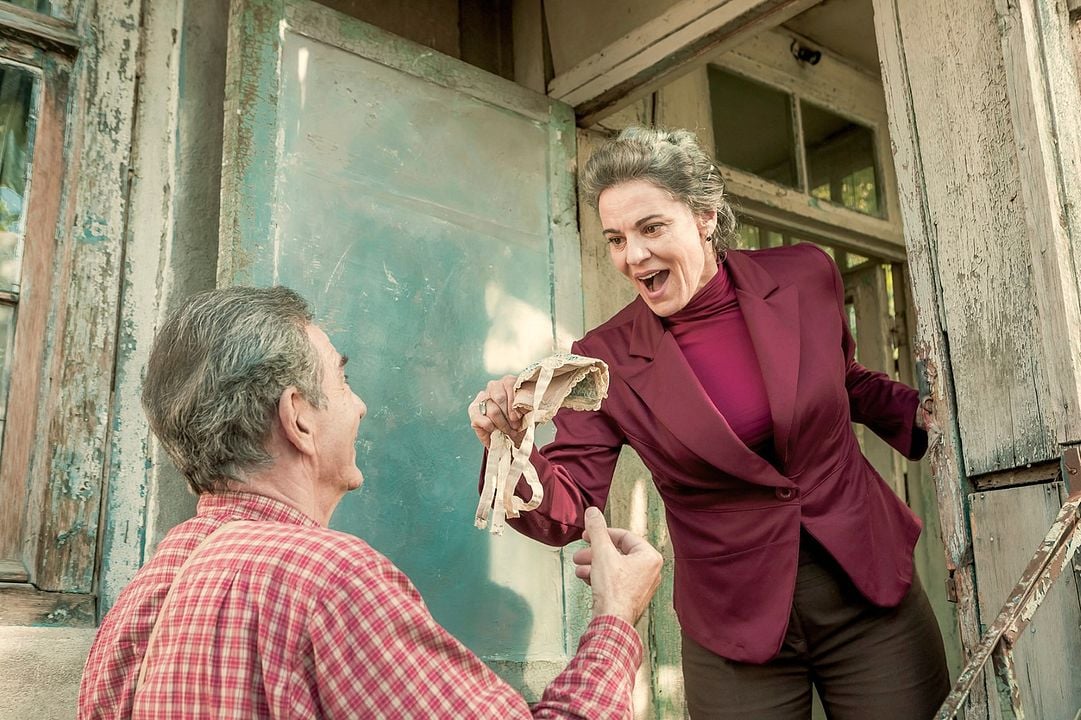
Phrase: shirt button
{"type": "Point", "coordinates": [785, 493]}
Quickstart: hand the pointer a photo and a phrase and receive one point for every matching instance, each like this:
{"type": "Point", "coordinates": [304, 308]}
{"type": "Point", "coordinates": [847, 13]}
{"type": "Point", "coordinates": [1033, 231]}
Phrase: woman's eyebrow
{"type": "Point", "coordinates": [639, 223]}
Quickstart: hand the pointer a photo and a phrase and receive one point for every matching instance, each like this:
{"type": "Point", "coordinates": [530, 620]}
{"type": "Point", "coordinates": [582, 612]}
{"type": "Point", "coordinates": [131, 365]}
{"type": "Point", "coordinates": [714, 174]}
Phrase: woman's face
{"type": "Point", "coordinates": [658, 243]}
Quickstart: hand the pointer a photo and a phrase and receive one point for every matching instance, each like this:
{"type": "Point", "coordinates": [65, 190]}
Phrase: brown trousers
{"type": "Point", "coordinates": [867, 662]}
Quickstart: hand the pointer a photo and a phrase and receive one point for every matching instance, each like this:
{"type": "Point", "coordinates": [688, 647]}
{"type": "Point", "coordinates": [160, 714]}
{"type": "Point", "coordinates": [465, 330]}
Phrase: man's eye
{"type": "Point", "coordinates": [615, 240]}
{"type": "Point", "coordinates": [651, 229]}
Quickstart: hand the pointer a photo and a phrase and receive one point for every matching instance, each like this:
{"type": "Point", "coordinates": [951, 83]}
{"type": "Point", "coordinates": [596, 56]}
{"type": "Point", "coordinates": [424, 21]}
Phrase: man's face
{"type": "Point", "coordinates": [338, 420]}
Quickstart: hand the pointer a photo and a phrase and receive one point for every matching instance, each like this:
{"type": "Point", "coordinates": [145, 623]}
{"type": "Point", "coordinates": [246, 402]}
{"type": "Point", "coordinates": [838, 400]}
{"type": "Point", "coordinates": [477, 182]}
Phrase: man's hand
{"type": "Point", "coordinates": [622, 568]}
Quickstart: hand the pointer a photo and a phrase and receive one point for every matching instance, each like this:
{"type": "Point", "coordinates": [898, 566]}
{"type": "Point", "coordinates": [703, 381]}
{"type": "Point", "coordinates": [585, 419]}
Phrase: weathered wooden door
{"type": "Point", "coordinates": [427, 210]}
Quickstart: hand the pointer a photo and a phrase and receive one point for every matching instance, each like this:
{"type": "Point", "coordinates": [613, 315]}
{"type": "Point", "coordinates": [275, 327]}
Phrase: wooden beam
{"type": "Point", "coordinates": [662, 48]}
{"type": "Point", "coordinates": [26, 605]}
{"type": "Point", "coordinates": [38, 29]}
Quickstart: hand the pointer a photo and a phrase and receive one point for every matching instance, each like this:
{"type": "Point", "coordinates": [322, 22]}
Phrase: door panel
{"type": "Point", "coordinates": [867, 299]}
{"type": "Point", "coordinates": [426, 208]}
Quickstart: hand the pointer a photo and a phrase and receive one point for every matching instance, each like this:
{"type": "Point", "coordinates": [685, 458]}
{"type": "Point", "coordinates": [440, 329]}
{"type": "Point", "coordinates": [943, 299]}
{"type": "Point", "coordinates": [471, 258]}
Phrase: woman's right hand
{"type": "Point", "coordinates": [492, 409]}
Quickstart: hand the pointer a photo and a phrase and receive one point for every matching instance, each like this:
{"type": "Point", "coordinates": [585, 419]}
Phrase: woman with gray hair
{"type": "Point", "coordinates": [733, 376]}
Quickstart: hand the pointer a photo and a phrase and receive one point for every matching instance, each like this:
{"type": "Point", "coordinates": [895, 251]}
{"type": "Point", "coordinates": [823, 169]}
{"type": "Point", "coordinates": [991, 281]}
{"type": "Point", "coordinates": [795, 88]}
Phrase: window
{"type": "Point", "coordinates": [840, 160]}
{"type": "Point", "coordinates": [752, 127]}
{"type": "Point", "coordinates": [773, 133]}
{"type": "Point", "coordinates": [35, 75]}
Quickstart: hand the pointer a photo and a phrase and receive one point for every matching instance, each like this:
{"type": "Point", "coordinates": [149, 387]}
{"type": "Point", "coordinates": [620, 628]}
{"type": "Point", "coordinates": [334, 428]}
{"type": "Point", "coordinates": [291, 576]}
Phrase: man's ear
{"type": "Point", "coordinates": [295, 419]}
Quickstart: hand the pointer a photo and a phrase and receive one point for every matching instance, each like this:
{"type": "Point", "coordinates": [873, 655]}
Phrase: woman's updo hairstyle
{"type": "Point", "coordinates": [670, 159]}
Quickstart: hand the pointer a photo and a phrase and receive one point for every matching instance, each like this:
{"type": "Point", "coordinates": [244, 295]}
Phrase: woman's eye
{"type": "Point", "coordinates": [651, 229]}
{"type": "Point", "coordinates": [615, 240]}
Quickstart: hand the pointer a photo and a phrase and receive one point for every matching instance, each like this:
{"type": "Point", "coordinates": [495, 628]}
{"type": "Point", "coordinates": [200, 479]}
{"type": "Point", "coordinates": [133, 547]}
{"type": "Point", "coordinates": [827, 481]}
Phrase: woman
{"type": "Point", "coordinates": [733, 377]}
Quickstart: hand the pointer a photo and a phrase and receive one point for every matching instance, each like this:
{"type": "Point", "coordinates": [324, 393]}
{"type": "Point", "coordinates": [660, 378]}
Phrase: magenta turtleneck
{"type": "Point", "coordinates": [711, 332]}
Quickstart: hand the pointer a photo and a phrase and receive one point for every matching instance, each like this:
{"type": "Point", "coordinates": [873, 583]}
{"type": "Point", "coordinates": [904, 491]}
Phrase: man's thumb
{"type": "Point", "coordinates": [596, 527]}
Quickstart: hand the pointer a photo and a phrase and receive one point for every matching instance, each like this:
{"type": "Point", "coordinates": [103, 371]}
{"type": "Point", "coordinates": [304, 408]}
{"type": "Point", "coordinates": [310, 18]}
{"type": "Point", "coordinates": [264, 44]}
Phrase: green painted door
{"type": "Point", "coordinates": [427, 210]}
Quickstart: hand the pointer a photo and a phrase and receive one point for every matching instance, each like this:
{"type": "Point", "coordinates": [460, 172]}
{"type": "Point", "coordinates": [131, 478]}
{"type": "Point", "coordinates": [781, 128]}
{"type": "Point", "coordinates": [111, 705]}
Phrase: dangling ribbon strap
{"type": "Point", "coordinates": [506, 463]}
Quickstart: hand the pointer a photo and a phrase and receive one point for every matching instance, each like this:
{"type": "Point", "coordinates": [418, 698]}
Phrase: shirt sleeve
{"type": "Point", "coordinates": [884, 405]}
{"type": "Point", "coordinates": [377, 652]}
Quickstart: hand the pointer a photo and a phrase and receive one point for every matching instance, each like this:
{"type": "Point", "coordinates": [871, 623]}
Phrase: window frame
{"type": "Point", "coordinates": [844, 90]}
{"type": "Point", "coordinates": [47, 46]}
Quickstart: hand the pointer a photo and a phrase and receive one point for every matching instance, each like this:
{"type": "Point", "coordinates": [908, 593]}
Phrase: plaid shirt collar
{"type": "Point", "coordinates": [226, 506]}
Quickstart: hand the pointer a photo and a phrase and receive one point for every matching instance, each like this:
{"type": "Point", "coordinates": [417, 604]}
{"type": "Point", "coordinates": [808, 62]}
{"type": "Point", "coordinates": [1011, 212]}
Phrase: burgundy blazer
{"type": "Point", "coordinates": [734, 518]}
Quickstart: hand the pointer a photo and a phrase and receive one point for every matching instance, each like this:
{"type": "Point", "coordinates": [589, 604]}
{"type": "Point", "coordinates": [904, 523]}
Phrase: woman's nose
{"type": "Point", "coordinates": [637, 251]}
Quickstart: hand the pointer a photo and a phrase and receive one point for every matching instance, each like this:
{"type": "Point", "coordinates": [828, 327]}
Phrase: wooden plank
{"type": "Point", "coordinates": [874, 348]}
{"type": "Point", "coordinates": [172, 228]}
{"type": "Point", "coordinates": [975, 237]}
{"type": "Point", "coordinates": [71, 455]}
{"type": "Point", "coordinates": [907, 106]}
{"type": "Point", "coordinates": [879, 237]}
{"type": "Point", "coordinates": [44, 189]}
{"type": "Point", "coordinates": [50, 33]}
{"type": "Point", "coordinates": [930, 554]}
{"type": "Point", "coordinates": [26, 605]}
{"type": "Point", "coordinates": [664, 48]}
{"type": "Point", "coordinates": [1007, 528]}
{"type": "Point", "coordinates": [1042, 89]}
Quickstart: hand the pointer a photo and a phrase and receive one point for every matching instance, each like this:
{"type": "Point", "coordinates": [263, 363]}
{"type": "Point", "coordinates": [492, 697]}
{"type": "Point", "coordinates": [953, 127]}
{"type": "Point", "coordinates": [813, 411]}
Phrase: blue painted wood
{"type": "Point", "coordinates": [422, 206]}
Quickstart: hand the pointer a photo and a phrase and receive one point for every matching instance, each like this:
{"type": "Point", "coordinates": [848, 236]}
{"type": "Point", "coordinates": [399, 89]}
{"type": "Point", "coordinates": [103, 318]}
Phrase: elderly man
{"type": "Point", "coordinates": [254, 608]}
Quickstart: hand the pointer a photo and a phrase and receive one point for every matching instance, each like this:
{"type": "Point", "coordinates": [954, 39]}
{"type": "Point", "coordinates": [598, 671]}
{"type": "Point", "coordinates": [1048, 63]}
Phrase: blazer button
{"type": "Point", "coordinates": [785, 493]}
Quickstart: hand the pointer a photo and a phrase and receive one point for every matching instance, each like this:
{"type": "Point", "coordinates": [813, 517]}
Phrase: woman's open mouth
{"type": "Point", "coordinates": [654, 282]}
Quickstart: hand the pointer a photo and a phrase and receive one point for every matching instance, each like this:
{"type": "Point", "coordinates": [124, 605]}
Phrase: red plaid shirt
{"type": "Point", "coordinates": [286, 619]}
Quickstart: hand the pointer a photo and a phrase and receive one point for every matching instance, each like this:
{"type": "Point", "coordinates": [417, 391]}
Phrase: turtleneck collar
{"type": "Point", "coordinates": [718, 295]}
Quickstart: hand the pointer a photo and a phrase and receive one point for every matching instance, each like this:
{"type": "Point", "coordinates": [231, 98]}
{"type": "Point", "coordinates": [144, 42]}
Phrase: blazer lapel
{"type": "Point", "coordinates": [772, 317]}
{"type": "Point", "coordinates": [660, 375]}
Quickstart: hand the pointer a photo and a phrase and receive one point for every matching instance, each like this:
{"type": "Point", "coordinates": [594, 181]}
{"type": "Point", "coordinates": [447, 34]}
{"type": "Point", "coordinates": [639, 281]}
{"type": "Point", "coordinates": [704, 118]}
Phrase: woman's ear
{"type": "Point", "coordinates": [295, 420]}
{"type": "Point", "coordinates": [707, 223]}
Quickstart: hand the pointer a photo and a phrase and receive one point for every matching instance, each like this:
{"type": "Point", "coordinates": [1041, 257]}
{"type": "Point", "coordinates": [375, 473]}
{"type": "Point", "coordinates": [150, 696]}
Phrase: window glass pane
{"type": "Point", "coordinates": [852, 260]}
{"type": "Point", "coordinates": [840, 160]}
{"type": "Point", "coordinates": [773, 239]}
{"type": "Point", "coordinates": [747, 237]}
{"type": "Point", "coordinates": [41, 6]}
{"type": "Point", "coordinates": [752, 127]}
{"type": "Point", "coordinates": [17, 122]}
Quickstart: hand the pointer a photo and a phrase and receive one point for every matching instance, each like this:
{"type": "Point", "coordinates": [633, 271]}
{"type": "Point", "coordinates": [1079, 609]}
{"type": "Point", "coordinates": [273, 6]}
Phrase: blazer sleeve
{"type": "Point", "coordinates": [575, 471]}
{"type": "Point", "coordinates": [884, 405]}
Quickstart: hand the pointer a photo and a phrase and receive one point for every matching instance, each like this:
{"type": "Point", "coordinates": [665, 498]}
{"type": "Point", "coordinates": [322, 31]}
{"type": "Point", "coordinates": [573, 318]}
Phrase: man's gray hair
{"type": "Point", "coordinates": [217, 370]}
{"type": "Point", "coordinates": [670, 159]}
